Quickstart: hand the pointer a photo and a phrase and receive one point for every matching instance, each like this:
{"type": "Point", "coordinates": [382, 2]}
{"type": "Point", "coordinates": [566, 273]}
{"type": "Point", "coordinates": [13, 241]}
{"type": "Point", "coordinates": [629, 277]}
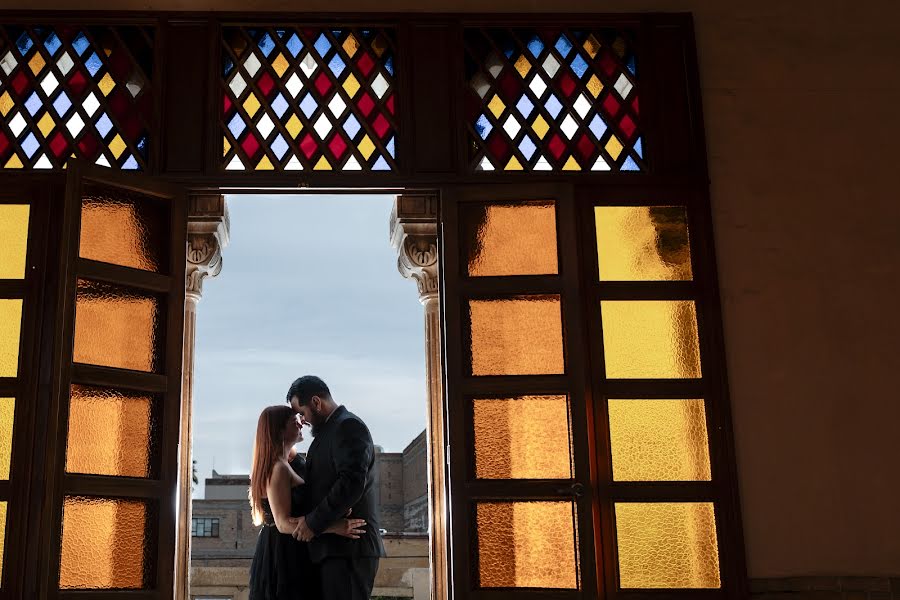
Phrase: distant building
{"type": "Point", "coordinates": [224, 537]}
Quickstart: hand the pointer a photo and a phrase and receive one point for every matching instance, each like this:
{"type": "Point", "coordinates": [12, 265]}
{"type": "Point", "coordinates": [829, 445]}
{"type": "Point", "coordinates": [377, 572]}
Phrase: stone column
{"type": "Point", "coordinates": [207, 236]}
{"type": "Point", "coordinates": [414, 236]}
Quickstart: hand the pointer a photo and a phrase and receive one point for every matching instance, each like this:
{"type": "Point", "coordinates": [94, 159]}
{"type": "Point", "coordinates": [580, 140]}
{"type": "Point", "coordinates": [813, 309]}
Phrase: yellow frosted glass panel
{"type": "Point", "coordinates": [116, 327]}
{"type": "Point", "coordinates": [10, 329]}
{"type": "Point", "coordinates": [642, 243]}
{"type": "Point", "coordinates": [105, 544]}
{"type": "Point", "coordinates": [527, 544]}
{"type": "Point", "coordinates": [650, 339]}
{"type": "Point", "coordinates": [2, 537]}
{"type": "Point", "coordinates": [7, 418]}
{"type": "Point", "coordinates": [14, 236]}
{"type": "Point", "coordinates": [667, 545]}
{"type": "Point", "coordinates": [526, 437]}
{"type": "Point", "coordinates": [517, 336]}
{"type": "Point", "coordinates": [124, 229]}
{"type": "Point", "coordinates": [659, 440]}
{"type": "Point", "coordinates": [111, 432]}
{"type": "Point", "coordinates": [509, 239]}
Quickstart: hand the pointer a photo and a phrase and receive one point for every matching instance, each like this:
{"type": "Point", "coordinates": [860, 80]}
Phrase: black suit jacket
{"type": "Point", "coordinates": [340, 469]}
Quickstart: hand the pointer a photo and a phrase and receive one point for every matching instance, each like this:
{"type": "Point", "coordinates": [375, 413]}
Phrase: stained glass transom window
{"type": "Point", "coordinates": [552, 99]}
{"type": "Point", "coordinates": [309, 99]}
{"type": "Point", "coordinates": [75, 91]}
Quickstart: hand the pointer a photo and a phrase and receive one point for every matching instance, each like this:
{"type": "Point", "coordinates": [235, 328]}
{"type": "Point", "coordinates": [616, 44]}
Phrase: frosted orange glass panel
{"type": "Point", "coordinates": [111, 432]}
{"type": "Point", "coordinates": [117, 327]}
{"type": "Point", "coordinates": [14, 236]}
{"type": "Point", "coordinates": [517, 336]}
{"type": "Point", "coordinates": [125, 229]}
{"type": "Point", "coordinates": [10, 329]}
{"type": "Point", "coordinates": [527, 544]}
{"type": "Point", "coordinates": [509, 239]}
{"type": "Point", "coordinates": [667, 545]}
{"type": "Point", "coordinates": [526, 437]}
{"type": "Point", "coordinates": [2, 537]}
{"type": "Point", "coordinates": [105, 544]}
{"type": "Point", "coordinates": [642, 243]}
{"type": "Point", "coordinates": [658, 440]}
{"type": "Point", "coordinates": [7, 417]}
{"type": "Point", "coordinates": [650, 339]}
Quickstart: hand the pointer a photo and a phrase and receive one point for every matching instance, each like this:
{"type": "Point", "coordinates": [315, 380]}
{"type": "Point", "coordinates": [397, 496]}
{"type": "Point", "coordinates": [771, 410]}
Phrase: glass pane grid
{"type": "Point", "coordinates": [301, 98]}
{"type": "Point", "coordinates": [510, 239]}
{"type": "Point", "coordinates": [552, 99]}
{"type": "Point", "coordinates": [75, 92]}
{"type": "Point", "coordinates": [643, 243]}
{"type": "Point", "coordinates": [14, 233]}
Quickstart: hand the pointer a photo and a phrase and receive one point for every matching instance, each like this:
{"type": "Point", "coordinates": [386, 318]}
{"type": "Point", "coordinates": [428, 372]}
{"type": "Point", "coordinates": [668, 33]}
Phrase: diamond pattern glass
{"type": "Point", "coordinates": [14, 233]}
{"type": "Point", "coordinates": [576, 88]}
{"type": "Point", "coordinates": [525, 437]}
{"type": "Point", "coordinates": [107, 543]}
{"type": "Point", "coordinates": [527, 544]}
{"type": "Point", "coordinates": [82, 91]}
{"type": "Point", "coordinates": [509, 239]}
{"type": "Point", "coordinates": [10, 329]}
{"type": "Point", "coordinates": [7, 419]}
{"type": "Point", "coordinates": [301, 98]}
{"type": "Point", "coordinates": [111, 432]}
{"type": "Point", "coordinates": [642, 243]}
{"type": "Point", "coordinates": [659, 440]}
{"type": "Point", "coordinates": [667, 545]}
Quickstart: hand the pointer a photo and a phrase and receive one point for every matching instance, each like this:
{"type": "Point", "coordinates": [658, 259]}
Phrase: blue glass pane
{"type": "Point", "coordinates": [563, 46]}
{"type": "Point", "coordinates": [631, 66]}
{"type": "Point", "coordinates": [279, 146]}
{"type": "Point", "coordinates": [483, 126]}
{"type": "Point", "coordinates": [24, 43]}
{"type": "Point", "coordinates": [597, 127]}
{"type": "Point", "coordinates": [142, 146]}
{"type": "Point", "coordinates": [535, 46]}
{"type": "Point", "coordinates": [351, 126]}
{"type": "Point", "coordinates": [639, 148]}
{"type": "Point", "coordinates": [308, 105]}
{"type": "Point", "coordinates": [553, 106]}
{"type": "Point", "coordinates": [104, 125]}
{"type": "Point", "coordinates": [389, 65]}
{"type": "Point", "coordinates": [527, 147]}
{"type": "Point", "coordinates": [80, 44]}
{"type": "Point", "coordinates": [579, 66]}
{"type": "Point", "coordinates": [280, 33]}
{"type": "Point", "coordinates": [30, 145]}
{"type": "Point", "coordinates": [381, 165]}
{"type": "Point", "coordinates": [266, 44]}
{"type": "Point", "coordinates": [525, 106]}
{"type": "Point", "coordinates": [130, 164]}
{"type": "Point", "coordinates": [52, 44]}
{"type": "Point", "coordinates": [336, 65]}
{"type": "Point", "coordinates": [236, 125]}
{"type": "Point", "coordinates": [93, 64]}
{"type": "Point", "coordinates": [279, 105]}
{"type": "Point", "coordinates": [630, 165]}
{"type": "Point", "coordinates": [62, 104]}
{"type": "Point", "coordinates": [33, 104]}
{"type": "Point", "coordinates": [294, 45]}
{"type": "Point", "coordinates": [228, 66]}
{"type": "Point", "coordinates": [322, 45]}
{"type": "Point", "coordinates": [390, 147]}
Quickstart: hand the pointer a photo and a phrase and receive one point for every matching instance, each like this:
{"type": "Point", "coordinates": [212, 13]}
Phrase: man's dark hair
{"type": "Point", "coordinates": [306, 387]}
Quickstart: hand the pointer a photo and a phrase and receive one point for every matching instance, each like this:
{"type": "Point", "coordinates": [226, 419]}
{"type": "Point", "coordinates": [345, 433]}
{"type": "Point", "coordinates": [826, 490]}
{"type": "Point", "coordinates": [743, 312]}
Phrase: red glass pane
{"type": "Point", "coordinates": [337, 145]}
{"type": "Point", "coordinates": [265, 84]}
{"type": "Point", "coordinates": [308, 146]}
{"type": "Point", "coordinates": [380, 125]}
{"type": "Point", "coordinates": [250, 145]}
{"type": "Point", "coordinates": [611, 105]}
{"type": "Point", "coordinates": [390, 104]}
{"type": "Point", "coordinates": [627, 126]}
{"type": "Point", "coordinates": [20, 83]}
{"type": "Point", "coordinates": [510, 87]}
{"type": "Point", "coordinates": [365, 63]}
{"type": "Point", "coordinates": [77, 83]}
{"type": "Point", "coordinates": [607, 63]}
{"type": "Point", "coordinates": [498, 147]}
{"type": "Point", "coordinates": [634, 105]}
{"type": "Point", "coordinates": [556, 146]}
{"type": "Point", "coordinates": [89, 146]}
{"type": "Point", "coordinates": [227, 105]}
{"type": "Point", "coordinates": [323, 84]}
{"type": "Point", "coordinates": [585, 146]}
{"type": "Point", "coordinates": [59, 144]}
{"type": "Point", "coordinates": [119, 65]}
{"type": "Point", "coordinates": [566, 84]}
{"type": "Point", "coordinates": [365, 104]}
{"type": "Point", "coordinates": [4, 145]}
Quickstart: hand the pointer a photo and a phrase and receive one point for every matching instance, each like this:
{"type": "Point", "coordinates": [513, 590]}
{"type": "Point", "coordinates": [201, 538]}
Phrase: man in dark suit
{"type": "Point", "coordinates": [340, 467]}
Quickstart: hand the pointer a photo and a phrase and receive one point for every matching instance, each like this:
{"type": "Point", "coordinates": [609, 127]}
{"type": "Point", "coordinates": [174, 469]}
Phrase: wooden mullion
{"type": "Point", "coordinates": [518, 490]}
{"type": "Point", "coordinates": [506, 385]}
{"type": "Point", "coordinates": [111, 595]}
{"type": "Point", "coordinates": [5, 488]}
{"type": "Point", "coordinates": [119, 378]}
{"type": "Point", "coordinates": [9, 386]}
{"type": "Point", "coordinates": [13, 288]}
{"type": "Point", "coordinates": [119, 275]}
{"type": "Point", "coordinates": [112, 487]}
{"type": "Point", "coordinates": [645, 290]}
{"type": "Point", "coordinates": [659, 491]}
{"type": "Point", "coordinates": [654, 388]}
{"type": "Point", "coordinates": [477, 288]}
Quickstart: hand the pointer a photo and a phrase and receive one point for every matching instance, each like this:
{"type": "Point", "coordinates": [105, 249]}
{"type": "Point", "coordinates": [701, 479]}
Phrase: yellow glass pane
{"type": "Point", "coordinates": [111, 432]}
{"type": "Point", "coordinates": [37, 63]}
{"type": "Point", "coordinates": [527, 544]}
{"type": "Point", "coordinates": [7, 418]}
{"type": "Point", "coordinates": [525, 437]}
{"type": "Point", "coordinates": [10, 329]}
{"type": "Point", "coordinates": [509, 239]}
{"type": "Point", "coordinates": [265, 164]}
{"type": "Point", "coordinates": [591, 46]}
{"type": "Point", "coordinates": [642, 243]}
{"type": "Point", "coordinates": [6, 104]}
{"type": "Point", "coordinates": [659, 440]}
{"type": "Point", "coordinates": [594, 86]}
{"type": "Point", "coordinates": [280, 64]}
{"type": "Point", "coordinates": [351, 85]}
{"type": "Point", "coordinates": [366, 147]}
{"type": "Point", "coordinates": [251, 105]}
{"type": "Point", "coordinates": [323, 164]}
{"type": "Point", "coordinates": [650, 339]}
{"type": "Point", "coordinates": [14, 233]}
{"type": "Point", "coordinates": [614, 147]}
{"type": "Point", "coordinates": [117, 146]}
{"type": "Point", "coordinates": [117, 327]}
{"type": "Point", "coordinates": [105, 544]}
{"type": "Point", "coordinates": [106, 84]}
{"type": "Point", "coordinates": [46, 124]}
{"type": "Point", "coordinates": [124, 229]}
{"type": "Point", "coordinates": [517, 336]}
{"type": "Point", "coordinates": [2, 537]}
{"type": "Point", "coordinates": [667, 545]}
{"type": "Point", "coordinates": [540, 127]}
{"type": "Point", "coordinates": [513, 165]}
{"type": "Point", "coordinates": [523, 66]}
{"type": "Point", "coordinates": [571, 165]}
{"type": "Point", "coordinates": [350, 45]}
{"type": "Point", "coordinates": [496, 106]}
{"type": "Point", "coordinates": [294, 126]}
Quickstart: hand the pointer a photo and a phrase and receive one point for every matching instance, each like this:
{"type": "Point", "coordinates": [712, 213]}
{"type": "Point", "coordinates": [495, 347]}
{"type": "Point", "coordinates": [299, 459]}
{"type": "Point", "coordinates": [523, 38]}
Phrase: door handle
{"type": "Point", "coordinates": [576, 490]}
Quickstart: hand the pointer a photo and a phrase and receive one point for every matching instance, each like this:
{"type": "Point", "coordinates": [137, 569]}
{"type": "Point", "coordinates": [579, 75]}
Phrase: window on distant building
{"type": "Point", "coordinates": [204, 527]}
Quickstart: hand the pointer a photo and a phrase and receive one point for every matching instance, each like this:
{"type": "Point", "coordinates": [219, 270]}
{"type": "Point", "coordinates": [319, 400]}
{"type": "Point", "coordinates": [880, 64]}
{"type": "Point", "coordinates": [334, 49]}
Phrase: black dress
{"type": "Point", "coordinates": [281, 568]}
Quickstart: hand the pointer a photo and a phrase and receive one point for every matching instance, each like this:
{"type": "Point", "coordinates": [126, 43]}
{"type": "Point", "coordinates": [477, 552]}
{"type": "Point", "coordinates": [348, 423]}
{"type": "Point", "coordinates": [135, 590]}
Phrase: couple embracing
{"type": "Point", "coordinates": [320, 535]}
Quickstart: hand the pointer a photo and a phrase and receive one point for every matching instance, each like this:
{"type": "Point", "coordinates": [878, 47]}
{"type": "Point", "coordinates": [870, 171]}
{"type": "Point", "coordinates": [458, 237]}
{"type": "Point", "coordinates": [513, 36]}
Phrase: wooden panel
{"type": "Point", "coordinates": [431, 95]}
{"type": "Point", "coordinates": [186, 49]}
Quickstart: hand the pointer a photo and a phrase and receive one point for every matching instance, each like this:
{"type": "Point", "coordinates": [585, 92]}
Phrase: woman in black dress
{"type": "Point", "coordinates": [281, 568]}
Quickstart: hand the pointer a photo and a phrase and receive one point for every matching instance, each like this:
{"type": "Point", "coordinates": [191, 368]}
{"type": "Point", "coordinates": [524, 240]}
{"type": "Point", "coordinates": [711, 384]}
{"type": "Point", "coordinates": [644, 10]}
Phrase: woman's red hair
{"type": "Point", "coordinates": [267, 448]}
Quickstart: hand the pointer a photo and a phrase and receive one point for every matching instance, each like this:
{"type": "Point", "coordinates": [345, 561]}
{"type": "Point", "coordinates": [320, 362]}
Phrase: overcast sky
{"type": "Point", "coordinates": [309, 286]}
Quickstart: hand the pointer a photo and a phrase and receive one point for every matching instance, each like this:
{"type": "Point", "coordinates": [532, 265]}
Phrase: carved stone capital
{"type": "Point", "coordinates": [207, 235]}
{"type": "Point", "coordinates": [414, 236]}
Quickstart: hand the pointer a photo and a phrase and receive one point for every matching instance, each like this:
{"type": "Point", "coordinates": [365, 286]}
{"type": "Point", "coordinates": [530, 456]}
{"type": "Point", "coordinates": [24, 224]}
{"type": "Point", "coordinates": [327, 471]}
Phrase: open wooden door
{"type": "Point", "coordinates": [108, 521]}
